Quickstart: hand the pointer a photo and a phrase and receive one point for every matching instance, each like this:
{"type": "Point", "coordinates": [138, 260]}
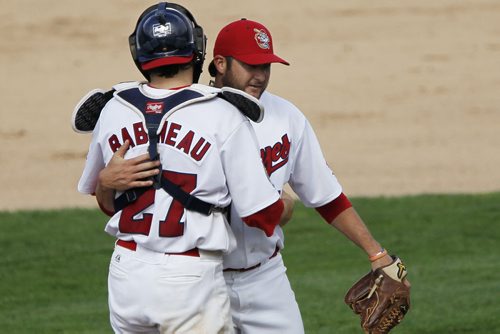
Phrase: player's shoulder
{"type": "Point", "coordinates": [280, 106]}
{"type": "Point", "coordinates": [116, 108]}
{"type": "Point", "coordinates": [119, 88]}
{"type": "Point", "coordinates": [216, 105]}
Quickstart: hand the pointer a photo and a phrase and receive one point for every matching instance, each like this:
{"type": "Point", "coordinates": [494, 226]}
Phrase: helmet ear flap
{"type": "Point", "coordinates": [131, 43]}
{"type": "Point", "coordinates": [133, 51]}
{"type": "Point", "coordinates": [200, 41]}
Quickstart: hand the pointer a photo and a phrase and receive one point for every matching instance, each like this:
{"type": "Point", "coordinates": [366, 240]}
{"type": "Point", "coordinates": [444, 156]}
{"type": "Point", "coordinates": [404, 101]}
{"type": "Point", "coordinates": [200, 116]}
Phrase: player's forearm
{"type": "Point", "coordinates": [289, 204]}
{"type": "Point", "coordinates": [105, 197]}
{"type": "Point", "coordinates": [352, 226]}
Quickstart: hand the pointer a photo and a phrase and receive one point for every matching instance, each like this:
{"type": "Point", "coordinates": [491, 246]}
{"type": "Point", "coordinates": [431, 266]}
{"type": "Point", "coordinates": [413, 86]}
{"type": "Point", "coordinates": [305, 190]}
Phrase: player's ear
{"type": "Point", "coordinates": [220, 64]}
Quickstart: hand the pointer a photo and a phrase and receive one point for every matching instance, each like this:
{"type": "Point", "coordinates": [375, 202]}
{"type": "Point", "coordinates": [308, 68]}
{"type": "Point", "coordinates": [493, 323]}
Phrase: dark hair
{"type": "Point", "coordinates": [169, 71]}
{"type": "Point", "coordinates": [229, 62]}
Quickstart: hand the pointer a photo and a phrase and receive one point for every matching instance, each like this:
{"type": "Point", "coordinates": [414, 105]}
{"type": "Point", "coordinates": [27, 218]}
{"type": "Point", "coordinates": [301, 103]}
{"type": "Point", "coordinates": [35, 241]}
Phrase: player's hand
{"type": "Point", "coordinates": [289, 203]}
{"type": "Point", "coordinates": [385, 261]}
{"type": "Point", "coordinates": [122, 174]}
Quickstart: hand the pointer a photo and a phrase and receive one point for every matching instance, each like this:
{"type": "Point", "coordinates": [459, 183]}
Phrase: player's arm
{"type": "Point", "coordinates": [105, 198]}
{"type": "Point", "coordinates": [341, 214]}
{"type": "Point", "coordinates": [253, 196]}
{"type": "Point", "coordinates": [339, 211]}
{"type": "Point", "coordinates": [122, 174]}
{"type": "Point", "coordinates": [289, 204]}
{"type": "Point", "coordinates": [266, 219]}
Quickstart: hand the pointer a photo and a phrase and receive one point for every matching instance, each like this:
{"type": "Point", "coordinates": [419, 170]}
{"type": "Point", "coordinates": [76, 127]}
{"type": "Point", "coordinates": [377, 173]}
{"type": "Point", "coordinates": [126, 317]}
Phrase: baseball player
{"type": "Point", "coordinates": [165, 274]}
{"type": "Point", "coordinates": [262, 300]}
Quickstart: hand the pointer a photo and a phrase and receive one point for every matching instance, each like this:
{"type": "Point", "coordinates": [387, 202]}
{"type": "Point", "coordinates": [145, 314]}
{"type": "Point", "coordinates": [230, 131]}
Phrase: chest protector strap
{"type": "Point", "coordinates": [154, 110]}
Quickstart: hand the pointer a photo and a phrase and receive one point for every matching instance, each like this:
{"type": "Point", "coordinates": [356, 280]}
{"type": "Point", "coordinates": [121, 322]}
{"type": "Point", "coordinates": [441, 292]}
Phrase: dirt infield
{"type": "Point", "coordinates": [403, 95]}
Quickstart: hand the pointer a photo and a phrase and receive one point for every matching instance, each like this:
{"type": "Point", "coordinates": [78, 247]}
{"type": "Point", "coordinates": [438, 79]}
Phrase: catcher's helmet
{"type": "Point", "coordinates": [167, 34]}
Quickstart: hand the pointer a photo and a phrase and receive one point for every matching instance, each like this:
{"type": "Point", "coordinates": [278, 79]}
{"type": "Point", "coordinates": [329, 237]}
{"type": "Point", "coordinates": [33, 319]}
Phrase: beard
{"type": "Point", "coordinates": [254, 89]}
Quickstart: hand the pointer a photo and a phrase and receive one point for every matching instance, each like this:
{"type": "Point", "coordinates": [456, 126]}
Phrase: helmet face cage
{"type": "Point", "coordinates": [167, 30]}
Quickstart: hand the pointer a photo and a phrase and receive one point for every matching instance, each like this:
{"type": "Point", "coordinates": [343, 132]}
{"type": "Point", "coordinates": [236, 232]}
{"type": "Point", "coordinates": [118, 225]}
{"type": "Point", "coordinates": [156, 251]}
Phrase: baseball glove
{"type": "Point", "coordinates": [381, 298]}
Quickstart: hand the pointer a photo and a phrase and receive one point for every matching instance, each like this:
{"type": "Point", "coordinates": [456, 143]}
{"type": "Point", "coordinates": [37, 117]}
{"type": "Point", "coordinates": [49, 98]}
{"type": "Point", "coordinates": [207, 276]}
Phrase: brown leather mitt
{"type": "Point", "coordinates": [381, 298]}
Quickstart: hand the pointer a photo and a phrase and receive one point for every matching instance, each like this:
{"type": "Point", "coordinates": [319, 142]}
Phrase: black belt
{"type": "Point", "coordinates": [242, 270]}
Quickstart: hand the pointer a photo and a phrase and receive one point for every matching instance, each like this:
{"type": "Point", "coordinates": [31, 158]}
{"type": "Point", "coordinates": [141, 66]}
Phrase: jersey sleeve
{"type": "Point", "coordinates": [312, 179]}
{"type": "Point", "coordinates": [93, 165]}
{"type": "Point", "coordinates": [247, 181]}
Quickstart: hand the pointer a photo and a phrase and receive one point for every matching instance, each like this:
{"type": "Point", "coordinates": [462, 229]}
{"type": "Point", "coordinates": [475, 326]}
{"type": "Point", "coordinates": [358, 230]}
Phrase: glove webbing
{"type": "Point", "coordinates": [392, 319]}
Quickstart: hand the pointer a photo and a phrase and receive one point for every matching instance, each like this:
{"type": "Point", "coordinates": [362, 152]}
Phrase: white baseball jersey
{"type": "Point", "coordinates": [291, 154]}
{"type": "Point", "coordinates": [207, 147]}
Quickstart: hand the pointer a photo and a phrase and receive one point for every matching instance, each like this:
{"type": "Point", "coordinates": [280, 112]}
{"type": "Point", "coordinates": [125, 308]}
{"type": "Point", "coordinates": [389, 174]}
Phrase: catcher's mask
{"type": "Point", "coordinates": [167, 34]}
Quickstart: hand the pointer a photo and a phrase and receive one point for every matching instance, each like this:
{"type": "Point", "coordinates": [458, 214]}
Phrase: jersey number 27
{"type": "Point", "coordinates": [171, 226]}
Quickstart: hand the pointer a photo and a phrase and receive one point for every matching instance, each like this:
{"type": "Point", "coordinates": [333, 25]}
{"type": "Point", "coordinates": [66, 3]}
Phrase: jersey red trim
{"type": "Point", "coordinates": [331, 210]}
{"type": "Point", "coordinates": [266, 219]}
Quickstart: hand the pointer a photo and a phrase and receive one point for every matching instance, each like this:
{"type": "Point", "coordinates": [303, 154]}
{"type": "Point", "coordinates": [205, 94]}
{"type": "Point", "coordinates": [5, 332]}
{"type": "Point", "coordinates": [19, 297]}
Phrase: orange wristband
{"type": "Point", "coordinates": [377, 256]}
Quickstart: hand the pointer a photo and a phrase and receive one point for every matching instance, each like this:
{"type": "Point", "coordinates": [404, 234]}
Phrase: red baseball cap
{"type": "Point", "coordinates": [247, 41]}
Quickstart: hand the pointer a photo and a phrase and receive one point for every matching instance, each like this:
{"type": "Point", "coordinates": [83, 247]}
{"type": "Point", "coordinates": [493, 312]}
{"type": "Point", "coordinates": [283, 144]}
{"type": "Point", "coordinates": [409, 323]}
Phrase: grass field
{"type": "Point", "coordinates": [53, 269]}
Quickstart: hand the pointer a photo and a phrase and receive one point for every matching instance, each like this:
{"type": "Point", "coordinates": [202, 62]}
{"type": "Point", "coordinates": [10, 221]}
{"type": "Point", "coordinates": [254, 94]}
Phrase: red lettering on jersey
{"type": "Point", "coordinates": [172, 134]}
{"type": "Point", "coordinates": [141, 137]}
{"type": "Point", "coordinates": [170, 131]}
{"type": "Point", "coordinates": [126, 135]}
{"type": "Point", "coordinates": [285, 149]}
{"type": "Point", "coordinates": [163, 132]}
{"type": "Point", "coordinates": [185, 143]}
{"type": "Point", "coordinates": [198, 153]}
{"type": "Point", "coordinates": [276, 156]}
{"type": "Point", "coordinates": [276, 152]}
{"type": "Point", "coordinates": [168, 136]}
{"type": "Point", "coordinates": [114, 143]}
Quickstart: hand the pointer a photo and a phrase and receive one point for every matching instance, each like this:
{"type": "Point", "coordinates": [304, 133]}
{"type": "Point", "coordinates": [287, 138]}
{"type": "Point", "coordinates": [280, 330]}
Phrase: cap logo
{"type": "Point", "coordinates": [262, 39]}
{"type": "Point", "coordinates": [162, 30]}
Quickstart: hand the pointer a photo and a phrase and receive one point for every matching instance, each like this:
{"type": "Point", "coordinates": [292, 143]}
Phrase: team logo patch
{"type": "Point", "coordinates": [154, 107]}
{"type": "Point", "coordinates": [262, 39]}
{"type": "Point", "coordinates": [162, 30]}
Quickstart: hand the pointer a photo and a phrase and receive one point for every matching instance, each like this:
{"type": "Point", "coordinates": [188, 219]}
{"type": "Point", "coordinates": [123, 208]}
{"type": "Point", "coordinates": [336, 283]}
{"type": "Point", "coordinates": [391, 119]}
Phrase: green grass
{"type": "Point", "coordinates": [54, 264]}
{"type": "Point", "coordinates": [450, 244]}
{"type": "Point", "coordinates": [53, 272]}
